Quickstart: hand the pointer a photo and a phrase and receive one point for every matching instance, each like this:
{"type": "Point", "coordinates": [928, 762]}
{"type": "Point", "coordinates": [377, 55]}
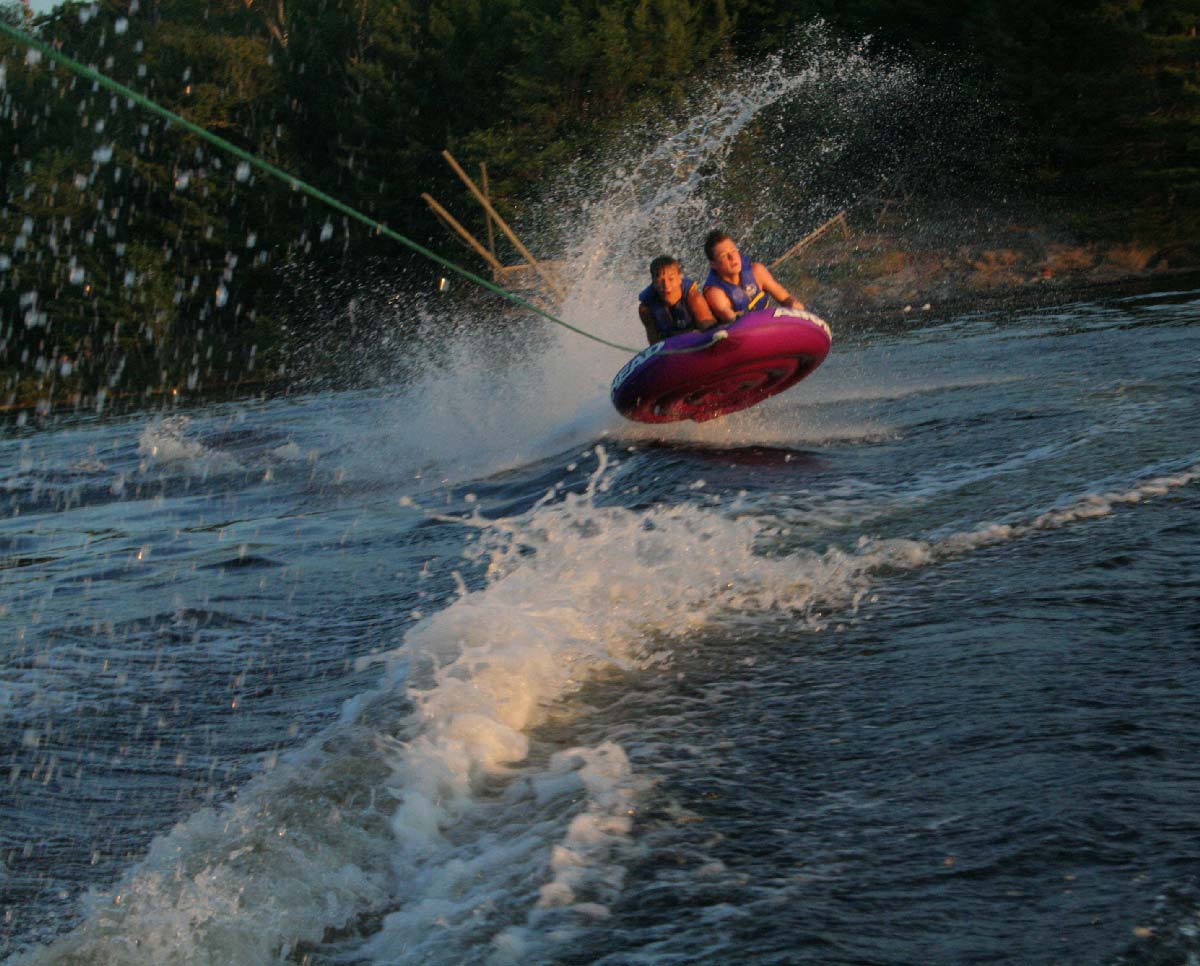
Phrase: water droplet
{"type": "Point", "coordinates": [121, 25]}
{"type": "Point", "coordinates": [326, 231]}
{"type": "Point", "coordinates": [103, 154]}
{"type": "Point", "coordinates": [243, 171]}
{"type": "Point", "coordinates": [222, 296]}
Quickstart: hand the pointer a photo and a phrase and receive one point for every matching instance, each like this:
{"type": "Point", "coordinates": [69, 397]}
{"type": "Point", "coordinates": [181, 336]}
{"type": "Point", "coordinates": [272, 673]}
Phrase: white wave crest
{"type": "Point", "coordinates": [437, 815]}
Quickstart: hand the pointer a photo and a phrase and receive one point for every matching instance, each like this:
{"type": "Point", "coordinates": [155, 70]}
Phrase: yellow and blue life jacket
{"type": "Point", "coordinates": [745, 296]}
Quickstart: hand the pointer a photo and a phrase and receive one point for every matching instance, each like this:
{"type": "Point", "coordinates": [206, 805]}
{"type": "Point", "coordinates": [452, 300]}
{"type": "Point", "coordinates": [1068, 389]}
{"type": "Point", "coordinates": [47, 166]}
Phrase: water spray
{"type": "Point", "coordinates": [90, 73]}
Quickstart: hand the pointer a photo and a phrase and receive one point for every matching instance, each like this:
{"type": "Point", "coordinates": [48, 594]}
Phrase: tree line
{"type": "Point", "coordinates": [135, 257]}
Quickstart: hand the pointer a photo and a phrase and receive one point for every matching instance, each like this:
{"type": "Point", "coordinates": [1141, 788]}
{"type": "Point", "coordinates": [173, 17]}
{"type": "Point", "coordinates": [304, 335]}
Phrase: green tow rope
{"type": "Point", "coordinates": [293, 182]}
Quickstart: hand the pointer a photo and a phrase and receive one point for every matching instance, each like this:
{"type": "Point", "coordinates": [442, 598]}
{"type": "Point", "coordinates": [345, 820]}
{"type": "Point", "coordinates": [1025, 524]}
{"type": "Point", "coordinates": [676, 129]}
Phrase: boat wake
{"type": "Point", "coordinates": [453, 807]}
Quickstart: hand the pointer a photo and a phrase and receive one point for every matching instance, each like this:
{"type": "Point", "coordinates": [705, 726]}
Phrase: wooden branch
{"type": "Point", "coordinates": [812, 236]}
{"type": "Point", "coordinates": [463, 233]}
{"type": "Point", "coordinates": [491, 230]}
{"type": "Point", "coordinates": [550, 281]}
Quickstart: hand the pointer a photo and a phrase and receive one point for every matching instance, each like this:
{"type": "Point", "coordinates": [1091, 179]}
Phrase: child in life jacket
{"type": "Point", "coordinates": [672, 303]}
{"type": "Point", "coordinates": [736, 285]}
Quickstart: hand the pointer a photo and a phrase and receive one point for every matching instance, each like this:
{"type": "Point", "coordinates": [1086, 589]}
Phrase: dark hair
{"type": "Point", "coordinates": [663, 261]}
{"type": "Point", "coordinates": [712, 240]}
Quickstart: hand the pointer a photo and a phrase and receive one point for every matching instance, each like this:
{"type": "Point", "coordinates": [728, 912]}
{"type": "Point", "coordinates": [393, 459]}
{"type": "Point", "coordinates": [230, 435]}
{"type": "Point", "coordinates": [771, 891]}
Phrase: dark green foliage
{"type": "Point", "coordinates": [136, 258]}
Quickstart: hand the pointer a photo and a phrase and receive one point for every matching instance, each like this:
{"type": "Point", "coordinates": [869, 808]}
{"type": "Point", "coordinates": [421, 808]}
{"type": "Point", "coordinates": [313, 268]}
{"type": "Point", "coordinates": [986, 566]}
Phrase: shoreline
{"type": "Point", "coordinates": [1034, 295]}
{"type": "Point", "coordinates": [886, 270]}
{"type": "Point", "coordinates": [874, 276]}
{"type": "Point", "coordinates": [839, 285]}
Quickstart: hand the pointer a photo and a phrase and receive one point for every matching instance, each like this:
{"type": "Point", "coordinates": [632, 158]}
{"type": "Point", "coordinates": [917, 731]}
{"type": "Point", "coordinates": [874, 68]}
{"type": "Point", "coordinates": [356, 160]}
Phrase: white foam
{"type": "Point", "coordinates": [166, 442]}
{"type": "Point", "coordinates": [441, 819]}
{"type": "Point", "coordinates": [242, 884]}
{"type": "Point", "coordinates": [1089, 506]}
{"type": "Point", "coordinates": [574, 587]}
{"type": "Point", "coordinates": [597, 586]}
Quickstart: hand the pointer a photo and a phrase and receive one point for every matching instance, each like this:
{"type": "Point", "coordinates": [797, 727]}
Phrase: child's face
{"type": "Point", "coordinates": [726, 259]}
{"type": "Point", "coordinates": [669, 284]}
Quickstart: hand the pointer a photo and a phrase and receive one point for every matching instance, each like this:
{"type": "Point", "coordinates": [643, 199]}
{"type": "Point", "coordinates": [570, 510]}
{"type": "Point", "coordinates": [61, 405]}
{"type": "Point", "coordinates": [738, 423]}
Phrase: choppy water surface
{"type": "Point", "coordinates": [897, 667]}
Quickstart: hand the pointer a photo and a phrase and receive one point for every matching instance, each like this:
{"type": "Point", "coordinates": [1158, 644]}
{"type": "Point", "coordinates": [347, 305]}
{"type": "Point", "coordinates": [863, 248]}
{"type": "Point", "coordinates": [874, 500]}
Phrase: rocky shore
{"type": "Point", "coordinates": [873, 274]}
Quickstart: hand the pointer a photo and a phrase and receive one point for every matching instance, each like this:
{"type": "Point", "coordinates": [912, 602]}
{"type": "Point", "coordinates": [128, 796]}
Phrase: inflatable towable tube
{"type": "Point", "coordinates": [706, 374]}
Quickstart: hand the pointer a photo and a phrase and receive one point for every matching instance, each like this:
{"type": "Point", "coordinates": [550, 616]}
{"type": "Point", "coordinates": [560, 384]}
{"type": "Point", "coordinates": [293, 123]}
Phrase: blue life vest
{"type": "Point", "coordinates": [745, 296]}
{"type": "Point", "coordinates": [670, 319]}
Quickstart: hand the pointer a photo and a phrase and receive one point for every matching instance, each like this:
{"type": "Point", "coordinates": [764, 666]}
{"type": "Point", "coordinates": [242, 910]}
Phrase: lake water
{"type": "Point", "coordinates": [897, 667]}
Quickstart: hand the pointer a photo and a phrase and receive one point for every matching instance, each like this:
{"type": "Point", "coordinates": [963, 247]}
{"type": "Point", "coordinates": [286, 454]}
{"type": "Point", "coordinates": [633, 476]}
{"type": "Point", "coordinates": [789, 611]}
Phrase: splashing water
{"type": "Point", "coordinates": [470, 801]}
{"type": "Point", "coordinates": [430, 804]}
{"type": "Point", "coordinates": [477, 408]}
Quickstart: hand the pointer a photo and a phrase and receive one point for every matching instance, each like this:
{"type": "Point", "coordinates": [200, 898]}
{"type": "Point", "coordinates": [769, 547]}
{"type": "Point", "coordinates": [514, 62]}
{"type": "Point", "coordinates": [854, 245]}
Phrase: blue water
{"type": "Point", "coordinates": [897, 667]}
